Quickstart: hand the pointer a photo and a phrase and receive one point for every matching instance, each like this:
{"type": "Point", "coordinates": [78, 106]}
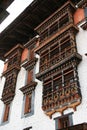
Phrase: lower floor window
{"type": "Point", "coordinates": [28, 104]}
{"type": "Point", "coordinates": [63, 121]}
{"type": "Point", "coordinates": [6, 113]}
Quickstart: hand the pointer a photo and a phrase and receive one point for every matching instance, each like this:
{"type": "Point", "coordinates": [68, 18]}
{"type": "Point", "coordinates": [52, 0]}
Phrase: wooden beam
{"type": "Point", "coordinates": [21, 32]}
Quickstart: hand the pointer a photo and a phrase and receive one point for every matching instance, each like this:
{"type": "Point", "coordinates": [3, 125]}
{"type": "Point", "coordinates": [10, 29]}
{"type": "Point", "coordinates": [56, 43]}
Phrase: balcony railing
{"type": "Point", "coordinates": [57, 58]}
{"type": "Point", "coordinates": [63, 96]}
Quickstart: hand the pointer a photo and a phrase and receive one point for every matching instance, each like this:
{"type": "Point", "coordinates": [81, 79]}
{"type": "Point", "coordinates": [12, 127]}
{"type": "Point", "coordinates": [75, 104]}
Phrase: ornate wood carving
{"type": "Point", "coordinates": [14, 60]}
{"type": "Point", "coordinates": [29, 65]}
{"type": "Point", "coordinates": [59, 60]}
{"type": "Point", "coordinates": [27, 89]}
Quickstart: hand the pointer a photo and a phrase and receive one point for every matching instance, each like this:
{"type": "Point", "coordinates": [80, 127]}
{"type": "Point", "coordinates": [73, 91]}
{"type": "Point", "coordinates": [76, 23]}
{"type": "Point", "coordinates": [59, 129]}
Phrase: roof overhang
{"type": "Point", "coordinates": [22, 29]}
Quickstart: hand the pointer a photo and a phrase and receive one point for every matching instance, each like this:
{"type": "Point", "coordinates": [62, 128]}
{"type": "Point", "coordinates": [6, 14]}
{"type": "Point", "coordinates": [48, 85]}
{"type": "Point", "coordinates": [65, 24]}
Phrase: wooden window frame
{"type": "Point", "coordinates": [58, 121]}
{"type": "Point", "coordinates": [6, 113]}
{"type": "Point", "coordinates": [27, 105]}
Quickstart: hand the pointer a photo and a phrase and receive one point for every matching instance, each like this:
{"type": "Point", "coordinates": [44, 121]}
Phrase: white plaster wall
{"type": "Point", "coordinates": [81, 40]}
{"type": "Point", "coordinates": [79, 116]}
{"type": "Point", "coordinates": [39, 121]}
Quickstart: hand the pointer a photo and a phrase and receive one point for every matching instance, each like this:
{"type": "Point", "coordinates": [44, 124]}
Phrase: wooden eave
{"type": "Point", "coordinates": [21, 29]}
{"type": "Point", "coordinates": [30, 64]}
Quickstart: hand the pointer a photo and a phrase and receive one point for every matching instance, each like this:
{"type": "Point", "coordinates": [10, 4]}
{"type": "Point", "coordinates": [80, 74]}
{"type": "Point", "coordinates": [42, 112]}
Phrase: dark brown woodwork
{"type": "Point", "coordinates": [82, 4]}
{"type": "Point", "coordinates": [82, 126]}
{"type": "Point", "coordinates": [67, 9]}
{"type": "Point", "coordinates": [59, 60]}
{"type": "Point", "coordinates": [28, 128]}
{"type": "Point", "coordinates": [63, 122]}
{"type": "Point", "coordinates": [3, 5]}
{"type": "Point", "coordinates": [33, 16]}
{"type": "Point", "coordinates": [30, 64]}
{"type": "Point", "coordinates": [13, 67]}
{"type": "Point", "coordinates": [29, 88]}
{"type": "Point", "coordinates": [70, 28]}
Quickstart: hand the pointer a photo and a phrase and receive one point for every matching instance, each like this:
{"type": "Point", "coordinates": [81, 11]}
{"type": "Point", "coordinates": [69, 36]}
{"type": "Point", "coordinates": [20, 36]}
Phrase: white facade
{"type": "Point", "coordinates": [39, 120]}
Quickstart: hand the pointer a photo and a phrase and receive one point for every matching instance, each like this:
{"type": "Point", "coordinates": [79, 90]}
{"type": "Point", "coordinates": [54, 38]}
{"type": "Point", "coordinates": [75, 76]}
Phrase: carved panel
{"type": "Point", "coordinates": [59, 60]}
{"type": "Point", "coordinates": [14, 59]}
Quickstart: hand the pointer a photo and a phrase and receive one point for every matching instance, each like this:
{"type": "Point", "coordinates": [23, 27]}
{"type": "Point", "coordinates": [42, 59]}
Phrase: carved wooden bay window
{"type": "Point", "coordinates": [61, 91]}
{"type": "Point", "coordinates": [58, 49]}
{"type": "Point", "coordinates": [10, 72]}
{"type": "Point", "coordinates": [29, 64]}
{"type": "Point", "coordinates": [59, 60]}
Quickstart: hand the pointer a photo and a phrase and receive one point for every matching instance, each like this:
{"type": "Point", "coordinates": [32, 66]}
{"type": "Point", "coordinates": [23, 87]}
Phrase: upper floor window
{"type": "Point", "coordinates": [27, 107]}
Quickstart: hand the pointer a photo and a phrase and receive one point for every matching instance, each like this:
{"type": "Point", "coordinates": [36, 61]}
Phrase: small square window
{"type": "Point", "coordinates": [64, 121]}
{"type": "Point", "coordinates": [28, 105]}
